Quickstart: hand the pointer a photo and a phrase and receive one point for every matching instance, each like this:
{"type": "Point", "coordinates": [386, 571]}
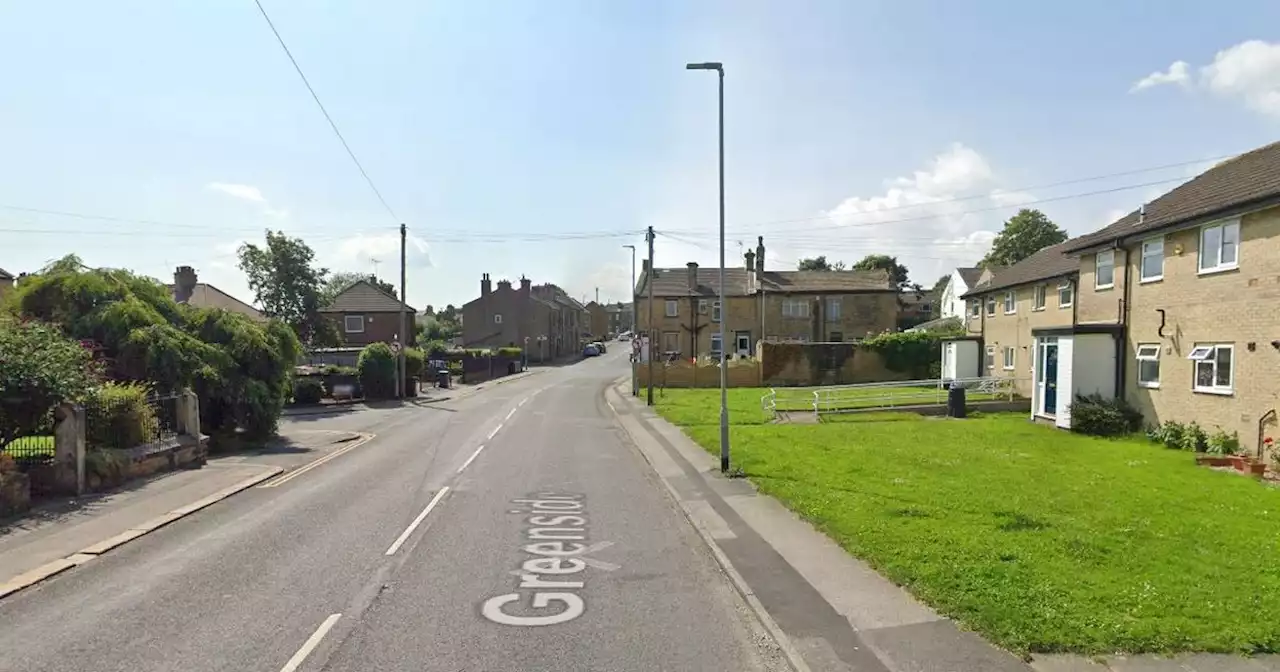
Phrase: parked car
{"type": "Point", "coordinates": [624, 336]}
{"type": "Point", "coordinates": [600, 346]}
{"type": "Point", "coordinates": [591, 350]}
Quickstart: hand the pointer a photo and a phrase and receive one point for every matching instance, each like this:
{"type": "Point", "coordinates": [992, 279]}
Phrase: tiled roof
{"type": "Point", "coordinates": [364, 297]}
{"type": "Point", "coordinates": [939, 324]}
{"type": "Point", "coordinates": [1233, 185]}
{"type": "Point", "coordinates": [970, 275]}
{"type": "Point", "coordinates": [1051, 262]}
{"type": "Point", "coordinates": [675, 282]}
{"type": "Point", "coordinates": [827, 281]}
{"type": "Point", "coordinates": [5, 275]}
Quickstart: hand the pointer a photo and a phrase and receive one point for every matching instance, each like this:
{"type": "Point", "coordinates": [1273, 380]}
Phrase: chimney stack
{"type": "Point", "coordinates": [184, 283]}
{"type": "Point", "coordinates": [504, 284]}
{"type": "Point", "coordinates": [693, 276]}
{"type": "Point", "coordinates": [751, 260]}
{"type": "Point", "coordinates": [760, 255]}
{"type": "Point", "coordinates": [524, 284]}
{"type": "Point", "coordinates": [485, 285]}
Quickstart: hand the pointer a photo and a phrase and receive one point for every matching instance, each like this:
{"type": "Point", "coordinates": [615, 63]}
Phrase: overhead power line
{"type": "Point", "coordinates": [324, 111]}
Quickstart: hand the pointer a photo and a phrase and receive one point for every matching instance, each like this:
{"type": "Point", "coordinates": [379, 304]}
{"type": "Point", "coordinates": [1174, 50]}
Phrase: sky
{"type": "Point", "coordinates": [537, 139]}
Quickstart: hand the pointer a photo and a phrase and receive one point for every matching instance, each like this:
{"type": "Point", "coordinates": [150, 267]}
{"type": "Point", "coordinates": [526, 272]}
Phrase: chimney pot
{"type": "Point", "coordinates": [693, 276]}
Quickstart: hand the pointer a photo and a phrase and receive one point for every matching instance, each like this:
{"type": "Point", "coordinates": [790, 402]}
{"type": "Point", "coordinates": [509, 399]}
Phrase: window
{"type": "Point", "coordinates": [926, 308]}
{"type": "Point", "coordinates": [1152, 267]}
{"type": "Point", "coordinates": [1009, 357]}
{"type": "Point", "coordinates": [353, 324]}
{"type": "Point", "coordinates": [837, 337]}
{"type": "Point", "coordinates": [975, 308]}
{"type": "Point", "coordinates": [1010, 302]}
{"type": "Point", "coordinates": [1213, 368]}
{"type": "Point", "coordinates": [833, 310]}
{"type": "Point", "coordinates": [795, 308]}
{"type": "Point", "coordinates": [1148, 365]}
{"type": "Point", "coordinates": [670, 341]}
{"type": "Point", "coordinates": [673, 308]}
{"type": "Point", "coordinates": [715, 312]}
{"type": "Point", "coordinates": [1065, 294]}
{"type": "Point", "coordinates": [991, 306]}
{"type": "Point", "coordinates": [1037, 297]}
{"type": "Point", "coordinates": [715, 344]}
{"type": "Point", "coordinates": [1104, 270]}
{"type": "Point", "coordinates": [497, 318]}
{"type": "Point", "coordinates": [991, 356]}
{"type": "Point", "coordinates": [702, 306]}
{"type": "Point", "coordinates": [1219, 247]}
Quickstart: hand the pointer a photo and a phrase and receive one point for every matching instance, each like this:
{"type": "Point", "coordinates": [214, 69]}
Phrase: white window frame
{"type": "Point", "coordinates": [497, 318]}
{"type": "Point", "coordinates": [346, 324]}
{"type": "Point", "coordinates": [1231, 226]}
{"type": "Point", "coordinates": [715, 311]}
{"type": "Point", "coordinates": [991, 357]}
{"type": "Point", "coordinates": [1039, 297]}
{"type": "Point", "coordinates": [1010, 358]}
{"type": "Point", "coordinates": [702, 306]}
{"type": "Point", "coordinates": [991, 306]}
{"type": "Point", "coordinates": [1110, 265]}
{"type": "Point", "coordinates": [1157, 245]}
{"type": "Point", "coordinates": [715, 339]}
{"type": "Point", "coordinates": [1148, 352]}
{"type": "Point", "coordinates": [833, 309]}
{"type": "Point", "coordinates": [1207, 353]}
{"type": "Point", "coordinates": [975, 308]}
{"type": "Point", "coordinates": [672, 308]}
{"type": "Point", "coordinates": [1011, 302]}
{"type": "Point", "coordinates": [1071, 293]}
{"type": "Point", "coordinates": [795, 308]}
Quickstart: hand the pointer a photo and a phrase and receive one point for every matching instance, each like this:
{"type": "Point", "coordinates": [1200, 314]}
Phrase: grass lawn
{"type": "Point", "coordinates": [30, 446]}
{"type": "Point", "coordinates": [1038, 539]}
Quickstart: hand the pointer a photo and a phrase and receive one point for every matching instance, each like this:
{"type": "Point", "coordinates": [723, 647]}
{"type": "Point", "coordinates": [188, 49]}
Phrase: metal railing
{"type": "Point", "coordinates": [129, 422]}
{"type": "Point", "coordinates": [900, 394]}
{"type": "Point", "coordinates": [28, 450]}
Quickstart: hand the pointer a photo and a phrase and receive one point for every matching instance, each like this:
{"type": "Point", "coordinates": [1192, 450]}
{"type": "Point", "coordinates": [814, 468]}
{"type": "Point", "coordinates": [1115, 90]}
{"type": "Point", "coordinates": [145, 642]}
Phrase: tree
{"type": "Point", "coordinates": [819, 263]}
{"type": "Point", "coordinates": [287, 285]}
{"type": "Point", "coordinates": [341, 280]}
{"type": "Point", "coordinates": [39, 369]}
{"type": "Point", "coordinates": [883, 262]}
{"type": "Point", "coordinates": [1023, 235]}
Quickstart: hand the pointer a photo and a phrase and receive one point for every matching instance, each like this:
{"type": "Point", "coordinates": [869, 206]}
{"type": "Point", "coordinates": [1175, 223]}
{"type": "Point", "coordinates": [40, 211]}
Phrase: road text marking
{"type": "Point", "coordinates": [404, 536]}
{"type": "Point", "coordinates": [469, 459]}
{"type": "Point", "coordinates": [285, 478]}
{"type": "Point", "coordinates": [310, 645]}
{"type": "Point", "coordinates": [495, 432]}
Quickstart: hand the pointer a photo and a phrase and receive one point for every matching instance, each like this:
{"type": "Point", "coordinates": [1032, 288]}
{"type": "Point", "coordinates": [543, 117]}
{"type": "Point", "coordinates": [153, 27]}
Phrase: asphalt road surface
{"type": "Point", "coordinates": [515, 529]}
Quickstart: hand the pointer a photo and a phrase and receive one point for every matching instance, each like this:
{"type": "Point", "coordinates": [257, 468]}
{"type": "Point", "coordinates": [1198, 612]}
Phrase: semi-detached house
{"type": "Point", "coordinates": [1173, 307]}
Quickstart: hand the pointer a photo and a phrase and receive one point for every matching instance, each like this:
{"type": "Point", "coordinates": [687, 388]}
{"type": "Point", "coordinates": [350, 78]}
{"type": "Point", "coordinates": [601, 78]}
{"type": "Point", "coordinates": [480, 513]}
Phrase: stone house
{"type": "Point", "coordinates": [768, 305]}
{"type": "Point", "coordinates": [188, 289]}
{"type": "Point", "coordinates": [365, 314]}
{"type": "Point", "coordinates": [597, 319]}
{"type": "Point", "coordinates": [543, 319]}
{"type": "Point", "coordinates": [1192, 281]}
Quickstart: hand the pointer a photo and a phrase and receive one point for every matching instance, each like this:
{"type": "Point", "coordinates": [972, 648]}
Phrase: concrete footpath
{"type": "Point", "coordinates": [829, 610]}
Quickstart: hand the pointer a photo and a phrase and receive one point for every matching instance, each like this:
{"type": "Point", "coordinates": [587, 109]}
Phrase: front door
{"type": "Point", "coordinates": [1047, 375]}
{"type": "Point", "coordinates": [744, 343]}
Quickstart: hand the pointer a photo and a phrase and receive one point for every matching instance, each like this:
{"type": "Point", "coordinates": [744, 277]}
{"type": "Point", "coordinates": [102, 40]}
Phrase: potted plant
{"type": "Point", "coordinates": [1220, 448]}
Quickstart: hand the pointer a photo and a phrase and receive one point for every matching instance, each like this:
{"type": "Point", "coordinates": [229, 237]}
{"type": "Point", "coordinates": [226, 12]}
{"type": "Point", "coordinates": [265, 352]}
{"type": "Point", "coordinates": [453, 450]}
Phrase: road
{"type": "Point", "coordinates": [515, 529]}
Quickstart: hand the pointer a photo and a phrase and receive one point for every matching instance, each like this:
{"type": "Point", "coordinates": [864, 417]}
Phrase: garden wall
{"type": "Point", "coordinates": [816, 364]}
{"type": "Point", "coordinates": [741, 373]}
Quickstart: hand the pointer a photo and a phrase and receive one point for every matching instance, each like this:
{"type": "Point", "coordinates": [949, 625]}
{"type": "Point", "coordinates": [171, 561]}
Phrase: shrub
{"type": "Point", "coordinates": [1222, 443]}
{"type": "Point", "coordinates": [119, 415]}
{"type": "Point", "coordinates": [308, 390]}
{"type": "Point", "coordinates": [39, 369]}
{"type": "Point", "coordinates": [912, 352]}
{"type": "Point", "coordinates": [1194, 438]}
{"type": "Point", "coordinates": [1098, 416]}
{"type": "Point", "coordinates": [1169, 434]}
{"type": "Point", "coordinates": [510, 352]}
{"type": "Point", "coordinates": [415, 361]}
{"type": "Point", "coordinates": [377, 370]}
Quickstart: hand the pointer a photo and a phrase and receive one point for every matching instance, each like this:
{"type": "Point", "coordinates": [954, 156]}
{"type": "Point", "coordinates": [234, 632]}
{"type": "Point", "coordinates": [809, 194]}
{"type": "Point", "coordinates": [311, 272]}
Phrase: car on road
{"type": "Point", "coordinates": [591, 350]}
{"type": "Point", "coordinates": [600, 346]}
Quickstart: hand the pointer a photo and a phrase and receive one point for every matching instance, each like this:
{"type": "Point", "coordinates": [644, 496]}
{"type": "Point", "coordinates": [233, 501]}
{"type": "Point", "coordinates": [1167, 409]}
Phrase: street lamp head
{"type": "Point", "coordinates": [719, 67]}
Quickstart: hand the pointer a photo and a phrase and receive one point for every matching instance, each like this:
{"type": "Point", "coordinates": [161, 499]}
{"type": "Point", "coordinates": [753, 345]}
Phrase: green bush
{"type": "Point", "coordinates": [911, 352]}
{"type": "Point", "coordinates": [415, 361]}
{"type": "Point", "coordinates": [1094, 415]}
{"type": "Point", "coordinates": [377, 370]}
{"type": "Point", "coordinates": [1222, 443]}
{"type": "Point", "coordinates": [510, 352]}
{"type": "Point", "coordinates": [1194, 438]}
{"type": "Point", "coordinates": [308, 390]}
{"type": "Point", "coordinates": [39, 369]}
{"type": "Point", "coordinates": [118, 415]}
{"type": "Point", "coordinates": [1169, 434]}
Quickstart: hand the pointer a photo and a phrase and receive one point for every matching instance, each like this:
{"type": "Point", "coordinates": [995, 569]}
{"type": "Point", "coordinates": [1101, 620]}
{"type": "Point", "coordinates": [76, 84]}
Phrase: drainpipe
{"type": "Point", "coordinates": [1122, 356]}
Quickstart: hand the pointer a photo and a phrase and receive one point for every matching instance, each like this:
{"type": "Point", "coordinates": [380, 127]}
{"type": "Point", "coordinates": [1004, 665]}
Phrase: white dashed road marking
{"type": "Point", "coordinates": [404, 536]}
{"type": "Point", "coordinates": [310, 645]}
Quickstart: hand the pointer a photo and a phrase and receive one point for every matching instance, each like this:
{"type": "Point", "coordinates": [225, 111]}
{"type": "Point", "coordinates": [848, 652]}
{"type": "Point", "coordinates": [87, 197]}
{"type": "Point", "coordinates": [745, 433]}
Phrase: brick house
{"type": "Point", "coordinates": [1192, 279]}
{"type": "Point", "coordinates": [365, 314]}
{"type": "Point", "coordinates": [770, 305]}
{"type": "Point", "coordinates": [188, 289]}
{"type": "Point", "coordinates": [543, 320]}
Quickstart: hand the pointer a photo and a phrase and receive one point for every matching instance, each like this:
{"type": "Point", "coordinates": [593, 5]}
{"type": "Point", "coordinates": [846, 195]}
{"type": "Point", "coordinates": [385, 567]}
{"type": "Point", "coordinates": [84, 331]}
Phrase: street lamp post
{"type": "Point", "coordinates": [724, 307]}
{"type": "Point", "coordinates": [635, 382]}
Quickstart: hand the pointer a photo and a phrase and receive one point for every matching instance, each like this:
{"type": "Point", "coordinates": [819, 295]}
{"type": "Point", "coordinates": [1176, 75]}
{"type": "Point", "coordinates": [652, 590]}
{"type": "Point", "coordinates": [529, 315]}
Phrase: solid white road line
{"type": "Point", "coordinates": [494, 432]}
{"type": "Point", "coordinates": [469, 459]}
{"type": "Point", "coordinates": [288, 476]}
{"type": "Point", "coordinates": [509, 414]}
{"type": "Point", "coordinates": [310, 645]}
{"type": "Point", "coordinates": [404, 536]}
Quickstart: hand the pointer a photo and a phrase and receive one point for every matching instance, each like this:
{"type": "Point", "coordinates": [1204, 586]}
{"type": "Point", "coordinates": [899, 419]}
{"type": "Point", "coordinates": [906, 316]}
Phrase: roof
{"type": "Point", "coordinates": [1233, 186]}
{"type": "Point", "coordinates": [940, 324]}
{"type": "Point", "coordinates": [970, 275]}
{"type": "Point", "coordinates": [1050, 262]}
{"type": "Point", "coordinates": [364, 297]}
{"type": "Point", "coordinates": [5, 275]}
{"type": "Point", "coordinates": [675, 282]}
{"type": "Point", "coordinates": [557, 296]}
{"type": "Point", "coordinates": [205, 295]}
{"type": "Point", "coordinates": [828, 281]}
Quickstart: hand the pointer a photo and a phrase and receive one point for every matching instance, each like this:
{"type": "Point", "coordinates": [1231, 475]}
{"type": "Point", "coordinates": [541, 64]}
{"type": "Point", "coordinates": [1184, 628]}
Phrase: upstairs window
{"type": "Point", "coordinates": [353, 324]}
{"type": "Point", "coordinates": [795, 308]}
{"type": "Point", "coordinates": [1148, 365]}
{"type": "Point", "coordinates": [1152, 267]}
{"type": "Point", "coordinates": [1037, 297]}
{"type": "Point", "coordinates": [1214, 367]}
{"type": "Point", "coordinates": [673, 308]}
{"type": "Point", "coordinates": [991, 306]}
{"type": "Point", "coordinates": [1065, 294]}
{"type": "Point", "coordinates": [1104, 266]}
{"type": "Point", "coordinates": [1010, 302]}
{"type": "Point", "coordinates": [1219, 247]}
{"type": "Point", "coordinates": [833, 310]}
{"type": "Point", "coordinates": [715, 312]}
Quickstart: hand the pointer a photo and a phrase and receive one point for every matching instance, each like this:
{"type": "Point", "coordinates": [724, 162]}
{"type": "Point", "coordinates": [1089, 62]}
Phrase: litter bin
{"type": "Point", "coordinates": [955, 400]}
{"type": "Point", "coordinates": [442, 379]}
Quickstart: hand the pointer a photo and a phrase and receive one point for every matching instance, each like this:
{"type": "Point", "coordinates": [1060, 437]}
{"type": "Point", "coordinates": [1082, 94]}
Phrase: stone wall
{"type": "Point", "coordinates": [815, 364]}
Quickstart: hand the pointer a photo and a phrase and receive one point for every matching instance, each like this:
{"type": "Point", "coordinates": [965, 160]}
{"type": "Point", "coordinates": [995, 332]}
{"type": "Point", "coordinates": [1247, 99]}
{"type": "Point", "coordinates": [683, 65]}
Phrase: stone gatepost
{"type": "Point", "coordinates": [69, 445]}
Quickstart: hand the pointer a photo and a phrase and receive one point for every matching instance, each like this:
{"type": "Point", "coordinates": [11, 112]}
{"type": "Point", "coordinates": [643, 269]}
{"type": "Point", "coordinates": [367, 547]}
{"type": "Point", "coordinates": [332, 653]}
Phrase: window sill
{"type": "Point", "coordinates": [1038, 310]}
{"type": "Point", "coordinates": [1011, 312]}
{"type": "Point", "coordinates": [1149, 386]}
{"type": "Point", "coordinates": [1103, 288]}
{"type": "Point", "coordinates": [1214, 391]}
{"type": "Point", "coordinates": [1064, 306]}
{"type": "Point", "coordinates": [1217, 270]}
{"type": "Point", "coordinates": [1010, 368]}
{"type": "Point", "coordinates": [1147, 281]}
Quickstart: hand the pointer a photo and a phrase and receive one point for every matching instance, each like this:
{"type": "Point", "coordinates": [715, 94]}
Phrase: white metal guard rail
{"type": "Point", "coordinates": [897, 394]}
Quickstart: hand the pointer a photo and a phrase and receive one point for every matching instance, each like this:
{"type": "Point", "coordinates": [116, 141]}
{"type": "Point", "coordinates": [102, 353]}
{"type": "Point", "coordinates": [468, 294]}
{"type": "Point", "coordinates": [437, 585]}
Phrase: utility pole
{"type": "Point", "coordinates": [401, 370]}
{"type": "Point", "coordinates": [648, 280]}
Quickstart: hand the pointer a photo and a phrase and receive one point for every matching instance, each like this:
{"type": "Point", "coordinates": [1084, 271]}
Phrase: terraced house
{"type": "Point", "coordinates": [772, 305]}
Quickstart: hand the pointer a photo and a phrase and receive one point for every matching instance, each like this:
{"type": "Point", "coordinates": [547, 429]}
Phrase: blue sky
{"type": "Point", "coordinates": [532, 138]}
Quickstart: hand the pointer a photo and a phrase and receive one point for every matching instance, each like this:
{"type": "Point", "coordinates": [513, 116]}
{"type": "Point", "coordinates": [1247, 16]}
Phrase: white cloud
{"type": "Point", "coordinates": [385, 247]}
{"type": "Point", "coordinates": [1248, 73]}
{"type": "Point", "coordinates": [1178, 73]}
{"type": "Point", "coordinates": [242, 191]}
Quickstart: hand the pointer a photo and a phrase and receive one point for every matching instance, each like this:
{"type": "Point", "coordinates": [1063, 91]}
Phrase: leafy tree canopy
{"type": "Point", "coordinates": [819, 263]}
{"type": "Point", "coordinates": [287, 285]}
{"type": "Point", "coordinates": [1023, 235]}
{"type": "Point", "coordinates": [883, 262]}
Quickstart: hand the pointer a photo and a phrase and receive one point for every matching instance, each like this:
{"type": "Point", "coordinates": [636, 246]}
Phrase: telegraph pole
{"type": "Point", "coordinates": [648, 280]}
{"type": "Point", "coordinates": [401, 371]}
